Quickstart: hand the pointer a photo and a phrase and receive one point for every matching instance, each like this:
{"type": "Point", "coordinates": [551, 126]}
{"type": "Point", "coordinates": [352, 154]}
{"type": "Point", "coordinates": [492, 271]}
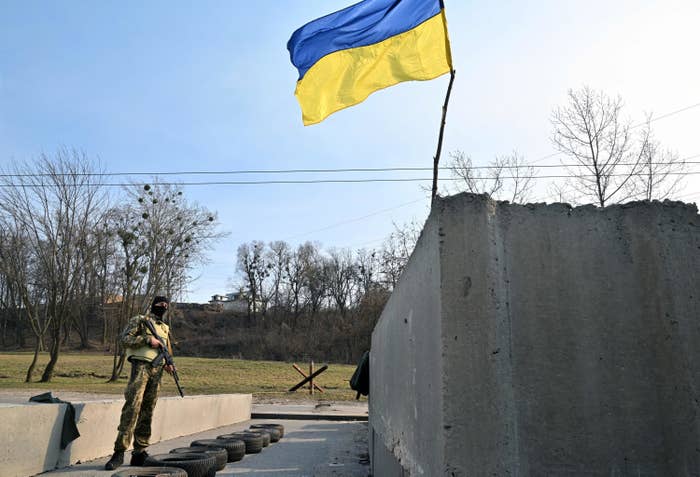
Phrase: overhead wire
{"type": "Point", "coordinates": [329, 181]}
{"type": "Point", "coordinates": [667, 115]}
{"type": "Point", "coordinates": [335, 170]}
{"type": "Point", "coordinates": [357, 219]}
{"type": "Point", "coordinates": [652, 120]}
{"type": "Point", "coordinates": [318, 171]}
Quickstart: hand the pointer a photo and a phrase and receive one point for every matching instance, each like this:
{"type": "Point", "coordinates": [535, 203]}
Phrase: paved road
{"type": "Point", "coordinates": [313, 448]}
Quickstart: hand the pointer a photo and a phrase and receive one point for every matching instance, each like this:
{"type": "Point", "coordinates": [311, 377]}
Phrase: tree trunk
{"type": "Point", "coordinates": [54, 352]}
{"type": "Point", "coordinates": [4, 328]}
{"type": "Point", "coordinates": [30, 371]}
{"type": "Point", "coordinates": [20, 336]}
{"type": "Point", "coordinates": [83, 328]}
{"type": "Point", "coordinates": [118, 364]}
{"type": "Point", "coordinates": [67, 328]}
{"type": "Point", "coordinates": [104, 325]}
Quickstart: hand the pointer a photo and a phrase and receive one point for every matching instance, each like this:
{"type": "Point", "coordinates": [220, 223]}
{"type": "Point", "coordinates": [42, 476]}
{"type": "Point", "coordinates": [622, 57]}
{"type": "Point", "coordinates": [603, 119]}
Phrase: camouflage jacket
{"type": "Point", "coordinates": [137, 335]}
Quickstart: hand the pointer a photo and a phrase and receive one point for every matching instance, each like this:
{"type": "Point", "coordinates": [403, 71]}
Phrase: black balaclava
{"type": "Point", "coordinates": [159, 311]}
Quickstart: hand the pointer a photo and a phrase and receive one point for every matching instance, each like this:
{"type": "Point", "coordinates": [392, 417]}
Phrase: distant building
{"type": "Point", "coordinates": [237, 301]}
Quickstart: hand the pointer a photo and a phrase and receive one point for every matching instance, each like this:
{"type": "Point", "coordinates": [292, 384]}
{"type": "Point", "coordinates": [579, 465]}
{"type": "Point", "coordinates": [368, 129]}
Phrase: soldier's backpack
{"type": "Point", "coordinates": [360, 378]}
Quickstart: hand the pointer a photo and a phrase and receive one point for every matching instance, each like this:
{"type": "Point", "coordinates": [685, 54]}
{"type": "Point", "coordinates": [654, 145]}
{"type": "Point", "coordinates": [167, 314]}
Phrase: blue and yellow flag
{"type": "Point", "coordinates": [344, 57]}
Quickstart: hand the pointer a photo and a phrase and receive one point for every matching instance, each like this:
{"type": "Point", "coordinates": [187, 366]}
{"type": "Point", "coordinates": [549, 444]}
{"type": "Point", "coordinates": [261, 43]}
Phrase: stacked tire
{"type": "Point", "coordinates": [278, 427]}
{"type": "Point", "coordinates": [264, 433]}
{"type": "Point", "coordinates": [151, 471]}
{"type": "Point", "coordinates": [205, 457]}
{"type": "Point", "coordinates": [195, 464]}
{"type": "Point", "coordinates": [253, 442]}
{"type": "Point", "coordinates": [235, 448]}
{"type": "Point", "coordinates": [275, 434]}
{"type": "Point", "coordinates": [219, 453]}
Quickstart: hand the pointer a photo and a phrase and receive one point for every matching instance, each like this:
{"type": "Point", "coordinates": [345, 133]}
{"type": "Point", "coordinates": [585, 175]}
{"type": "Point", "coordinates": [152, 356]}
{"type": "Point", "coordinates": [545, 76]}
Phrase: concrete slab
{"type": "Point", "coordinates": [21, 396]}
{"type": "Point", "coordinates": [30, 432]}
{"type": "Point", "coordinates": [542, 340]}
{"type": "Point", "coordinates": [309, 448]}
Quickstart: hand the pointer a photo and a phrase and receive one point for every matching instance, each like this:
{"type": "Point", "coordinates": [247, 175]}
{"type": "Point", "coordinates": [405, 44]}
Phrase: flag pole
{"type": "Point", "coordinates": [436, 159]}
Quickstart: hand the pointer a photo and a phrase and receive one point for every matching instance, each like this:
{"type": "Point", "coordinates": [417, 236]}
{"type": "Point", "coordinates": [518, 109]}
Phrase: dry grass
{"type": "Point", "coordinates": [264, 379]}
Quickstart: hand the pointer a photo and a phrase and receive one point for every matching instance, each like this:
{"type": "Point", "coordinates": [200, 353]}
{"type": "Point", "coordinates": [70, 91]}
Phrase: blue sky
{"type": "Point", "coordinates": [174, 86]}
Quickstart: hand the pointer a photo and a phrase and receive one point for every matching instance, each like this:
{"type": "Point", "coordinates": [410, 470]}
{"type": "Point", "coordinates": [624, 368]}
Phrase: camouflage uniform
{"type": "Point", "coordinates": [141, 392]}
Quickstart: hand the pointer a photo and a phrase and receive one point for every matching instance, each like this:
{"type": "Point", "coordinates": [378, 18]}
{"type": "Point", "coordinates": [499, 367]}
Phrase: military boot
{"type": "Point", "coordinates": [138, 458]}
{"type": "Point", "coordinates": [115, 461]}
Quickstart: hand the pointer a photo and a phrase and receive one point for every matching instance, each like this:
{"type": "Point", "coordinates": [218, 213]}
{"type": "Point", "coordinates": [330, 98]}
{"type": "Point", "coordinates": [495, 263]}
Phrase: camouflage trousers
{"type": "Point", "coordinates": [141, 395]}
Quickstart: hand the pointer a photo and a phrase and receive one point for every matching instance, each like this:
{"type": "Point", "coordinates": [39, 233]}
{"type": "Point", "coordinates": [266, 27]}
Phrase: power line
{"type": "Point", "coordinates": [357, 219]}
{"type": "Point", "coordinates": [667, 115]}
{"type": "Point", "coordinates": [335, 170]}
{"type": "Point", "coordinates": [658, 118]}
{"type": "Point", "coordinates": [336, 181]}
{"type": "Point", "coordinates": [232, 172]}
{"type": "Point", "coordinates": [688, 194]}
{"type": "Point", "coordinates": [320, 171]}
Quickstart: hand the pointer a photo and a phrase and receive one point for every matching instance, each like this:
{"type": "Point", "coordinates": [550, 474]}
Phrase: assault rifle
{"type": "Point", "coordinates": [164, 355]}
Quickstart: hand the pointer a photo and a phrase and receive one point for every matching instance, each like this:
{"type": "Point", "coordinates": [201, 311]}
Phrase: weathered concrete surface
{"type": "Point", "coordinates": [30, 433]}
{"type": "Point", "coordinates": [309, 448]}
{"type": "Point", "coordinates": [405, 404]}
{"type": "Point", "coordinates": [568, 342]}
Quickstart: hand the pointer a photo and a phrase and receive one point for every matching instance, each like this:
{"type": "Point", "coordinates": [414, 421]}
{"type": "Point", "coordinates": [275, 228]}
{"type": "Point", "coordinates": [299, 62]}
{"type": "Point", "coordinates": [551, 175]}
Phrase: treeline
{"type": "Point", "coordinates": [307, 301]}
{"type": "Point", "coordinates": [79, 258]}
{"type": "Point", "coordinates": [75, 255]}
{"type": "Point", "coordinates": [288, 281]}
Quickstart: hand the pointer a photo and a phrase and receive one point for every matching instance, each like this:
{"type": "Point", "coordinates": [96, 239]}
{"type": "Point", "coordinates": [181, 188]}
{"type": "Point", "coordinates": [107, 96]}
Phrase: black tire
{"type": "Point", "coordinates": [274, 433]}
{"type": "Point", "coordinates": [219, 453]}
{"type": "Point", "coordinates": [265, 433]}
{"type": "Point", "coordinates": [234, 447]}
{"type": "Point", "coordinates": [196, 465]}
{"type": "Point", "coordinates": [239, 452]}
{"type": "Point", "coordinates": [253, 442]}
{"type": "Point", "coordinates": [279, 427]}
{"type": "Point", "coordinates": [152, 472]}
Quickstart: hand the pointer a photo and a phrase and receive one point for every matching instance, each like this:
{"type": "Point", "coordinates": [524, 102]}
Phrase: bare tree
{"type": "Point", "coordinates": [53, 207]}
{"type": "Point", "coordinates": [591, 130]}
{"type": "Point", "coordinates": [520, 177]}
{"type": "Point", "coordinates": [662, 170]}
{"type": "Point", "coordinates": [252, 264]}
{"type": "Point", "coordinates": [160, 237]}
{"type": "Point", "coordinates": [278, 258]}
{"type": "Point", "coordinates": [340, 275]}
{"type": "Point", "coordinates": [296, 273]}
{"type": "Point", "coordinates": [18, 266]}
{"type": "Point", "coordinates": [132, 264]}
{"type": "Point", "coordinates": [396, 250]}
{"type": "Point", "coordinates": [473, 179]}
{"type": "Point", "coordinates": [559, 192]}
{"type": "Point", "coordinates": [367, 271]}
{"type": "Point", "coordinates": [506, 177]}
{"type": "Point", "coordinates": [175, 233]}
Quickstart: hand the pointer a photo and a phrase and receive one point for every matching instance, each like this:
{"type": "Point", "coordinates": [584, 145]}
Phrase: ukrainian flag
{"type": "Point", "coordinates": [344, 57]}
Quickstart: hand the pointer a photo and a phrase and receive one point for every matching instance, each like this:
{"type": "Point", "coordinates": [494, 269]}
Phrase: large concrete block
{"type": "Point", "coordinates": [405, 404]}
{"type": "Point", "coordinates": [567, 343]}
{"type": "Point", "coordinates": [30, 434]}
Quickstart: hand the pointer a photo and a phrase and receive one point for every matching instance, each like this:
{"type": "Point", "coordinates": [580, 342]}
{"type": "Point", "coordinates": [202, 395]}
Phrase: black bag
{"type": "Point", "coordinates": [69, 431]}
{"type": "Point", "coordinates": [360, 378]}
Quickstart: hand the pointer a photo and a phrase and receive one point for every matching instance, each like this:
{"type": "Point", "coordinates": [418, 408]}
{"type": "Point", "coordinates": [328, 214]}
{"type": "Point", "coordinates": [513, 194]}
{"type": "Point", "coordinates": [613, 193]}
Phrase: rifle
{"type": "Point", "coordinates": [164, 355]}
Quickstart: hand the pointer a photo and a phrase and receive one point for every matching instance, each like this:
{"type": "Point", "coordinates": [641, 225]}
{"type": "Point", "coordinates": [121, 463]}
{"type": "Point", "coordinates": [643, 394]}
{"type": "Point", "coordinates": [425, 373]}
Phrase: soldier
{"type": "Point", "coordinates": [144, 382]}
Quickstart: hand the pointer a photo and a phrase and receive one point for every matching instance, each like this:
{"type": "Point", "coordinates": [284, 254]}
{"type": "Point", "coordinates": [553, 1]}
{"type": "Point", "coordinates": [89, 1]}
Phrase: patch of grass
{"type": "Point", "coordinates": [264, 379]}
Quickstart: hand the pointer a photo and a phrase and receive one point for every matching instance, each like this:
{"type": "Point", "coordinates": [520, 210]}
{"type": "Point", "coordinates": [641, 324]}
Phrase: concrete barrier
{"type": "Point", "coordinates": [542, 340]}
{"type": "Point", "coordinates": [30, 433]}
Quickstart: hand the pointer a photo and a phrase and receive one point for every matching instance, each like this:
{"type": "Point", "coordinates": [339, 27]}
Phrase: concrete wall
{"type": "Point", "coordinates": [406, 369]}
{"type": "Point", "coordinates": [30, 433]}
{"type": "Point", "coordinates": [568, 341]}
